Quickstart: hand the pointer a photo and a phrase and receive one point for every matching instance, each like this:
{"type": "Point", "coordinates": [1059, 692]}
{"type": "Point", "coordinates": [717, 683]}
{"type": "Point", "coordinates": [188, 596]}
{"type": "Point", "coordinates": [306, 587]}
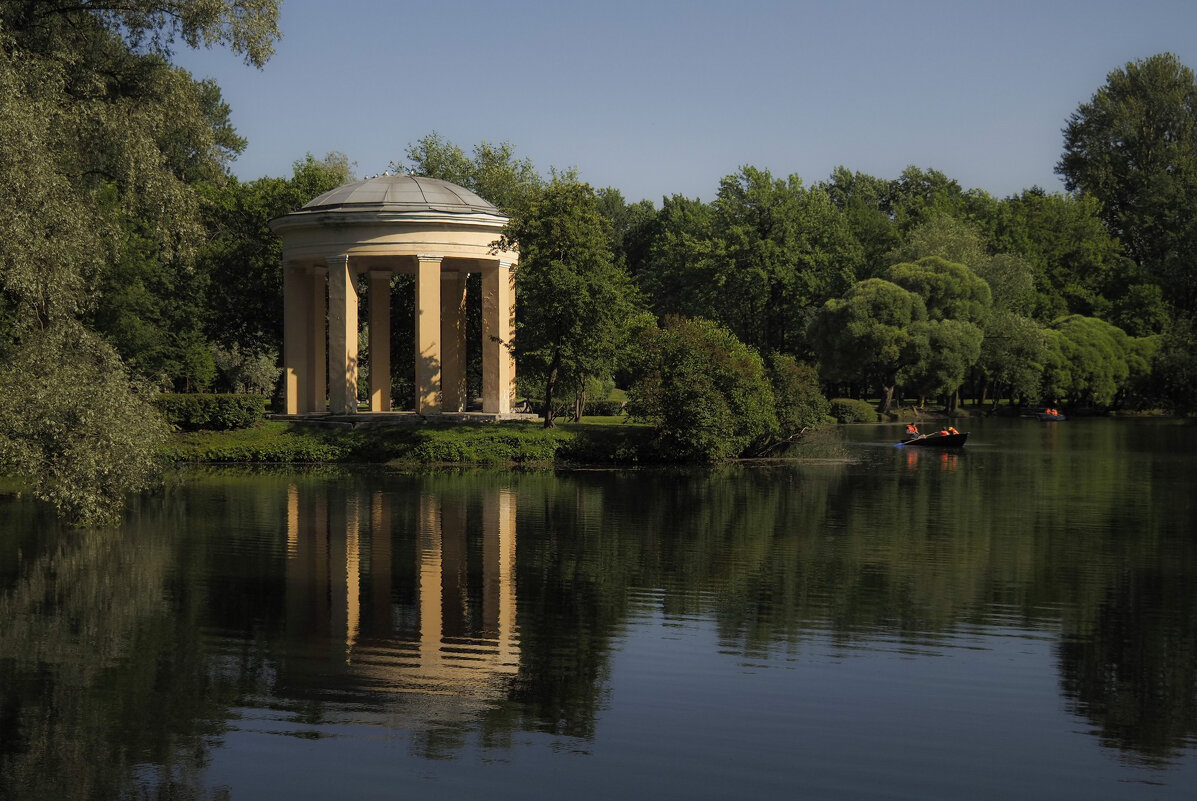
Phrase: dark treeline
{"type": "Point", "coordinates": [133, 261]}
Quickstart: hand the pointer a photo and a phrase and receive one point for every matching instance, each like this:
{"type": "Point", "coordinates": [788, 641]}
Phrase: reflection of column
{"type": "Point", "coordinates": [498, 365]}
{"type": "Point", "coordinates": [317, 563]}
{"type": "Point", "coordinates": [292, 521]}
{"type": "Point", "coordinates": [344, 573]}
{"type": "Point", "coordinates": [428, 335]}
{"type": "Point", "coordinates": [454, 567]}
{"type": "Point", "coordinates": [342, 336]}
{"type": "Point", "coordinates": [296, 581]}
{"type": "Point", "coordinates": [319, 333]}
{"type": "Point", "coordinates": [498, 547]}
{"type": "Point", "coordinates": [380, 562]}
{"type": "Point", "coordinates": [380, 341]}
{"type": "Point", "coordinates": [297, 317]}
{"type": "Point", "coordinates": [453, 340]}
{"type": "Point", "coordinates": [430, 580]}
{"type": "Point", "coordinates": [353, 573]}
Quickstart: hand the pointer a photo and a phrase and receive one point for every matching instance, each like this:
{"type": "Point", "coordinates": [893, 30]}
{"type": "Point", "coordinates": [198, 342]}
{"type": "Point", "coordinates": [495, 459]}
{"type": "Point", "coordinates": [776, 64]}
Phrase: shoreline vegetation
{"type": "Point", "coordinates": [618, 441]}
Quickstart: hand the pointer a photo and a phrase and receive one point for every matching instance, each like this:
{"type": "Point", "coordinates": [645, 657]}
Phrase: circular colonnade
{"type": "Point", "coordinates": [432, 229]}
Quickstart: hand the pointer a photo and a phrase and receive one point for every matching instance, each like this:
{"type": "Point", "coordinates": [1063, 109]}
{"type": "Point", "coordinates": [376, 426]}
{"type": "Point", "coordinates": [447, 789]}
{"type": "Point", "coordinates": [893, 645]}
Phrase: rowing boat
{"type": "Point", "coordinates": [936, 441]}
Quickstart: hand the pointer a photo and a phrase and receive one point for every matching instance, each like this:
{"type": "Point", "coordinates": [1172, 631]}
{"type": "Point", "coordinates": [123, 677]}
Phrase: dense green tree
{"type": "Point", "coordinates": [949, 348]}
{"type": "Point", "coordinates": [783, 251]}
{"type": "Point", "coordinates": [866, 203]}
{"type": "Point", "coordinates": [74, 426]}
{"type": "Point", "coordinates": [917, 195]}
{"type": "Point", "coordinates": [151, 310]}
{"type": "Point", "coordinates": [798, 399]}
{"type": "Point", "coordinates": [100, 137]}
{"type": "Point", "coordinates": [950, 291]}
{"type": "Point", "coordinates": [1174, 370]}
{"type": "Point", "coordinates": [632, 226]}
{"type": "Point", "coordinates": [494, 172]}
{"type": "Point", "coordinates": [680, 274]}
{"type": "Point", "coordinates": [945, 236]}
{"type": "Point", "coordinates": [870, 334]}
{"type": "Point", "coordinates": [574, 304]}
{"type": "Point", "coordinates": [1133, 146]}
{"type": "Point", "coordinates": [1076, 262]}
{"type": "Point", "coordinates": [1011, 281]}
{"type": "Point", "coordinates": [1012, 356]}
{"type": "Point", "coordinates": [1089, 361]}
{"type": "Point", "coordinates": [704, 391]}
{"type": "Point", "coordinates": [241, 262]}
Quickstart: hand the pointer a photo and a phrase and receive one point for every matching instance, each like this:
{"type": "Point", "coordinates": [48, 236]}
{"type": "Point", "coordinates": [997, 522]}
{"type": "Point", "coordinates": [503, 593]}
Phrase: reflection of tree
{"type": "Point", "coordinates": [381, 594]}
{"type": "Point", "coordinates": [94, 683]}
{"type": "Point", "coordinates": [1135, 672]}
{"type": "Point", "coordinates": [919, 552]}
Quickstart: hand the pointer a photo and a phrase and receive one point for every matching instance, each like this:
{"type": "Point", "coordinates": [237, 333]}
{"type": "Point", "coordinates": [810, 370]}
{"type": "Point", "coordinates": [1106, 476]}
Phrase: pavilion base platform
{"type": "Point", "coordinates": [396, 419]}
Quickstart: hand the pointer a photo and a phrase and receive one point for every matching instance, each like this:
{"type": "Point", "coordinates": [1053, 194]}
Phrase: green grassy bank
{"type": "Point", "coordinates": [594, 440]}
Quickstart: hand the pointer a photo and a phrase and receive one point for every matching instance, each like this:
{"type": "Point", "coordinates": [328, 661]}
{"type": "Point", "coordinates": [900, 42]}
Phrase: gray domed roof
{"type": "Point", "coordinates": [400, 193]}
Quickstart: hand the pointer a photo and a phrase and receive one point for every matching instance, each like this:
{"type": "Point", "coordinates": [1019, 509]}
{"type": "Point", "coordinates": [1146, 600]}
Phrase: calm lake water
{"type": "Point", "coordinates": [1014, 621]}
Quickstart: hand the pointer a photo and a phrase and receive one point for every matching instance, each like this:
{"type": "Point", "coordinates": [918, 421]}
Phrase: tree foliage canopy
{"type": "Point", "coordinates": [573, 302]}
{"type": "Point", "coordinates": [101, 143]}
{"type": "Point", "coordinates": [1133, 146]}
{"type": "Point", "coordinates": [704, 391]}
{"type": "Point", "coordinates": [494, 172]}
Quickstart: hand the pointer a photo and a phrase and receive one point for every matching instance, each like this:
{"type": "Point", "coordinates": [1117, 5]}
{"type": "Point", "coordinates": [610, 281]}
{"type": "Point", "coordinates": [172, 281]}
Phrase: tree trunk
{"type": "Point", "coordinates": [550, 385]}
{"type": "Point", "coordinates": [579, 403]}
{"type": "Point", "coordinates": [887, 399]}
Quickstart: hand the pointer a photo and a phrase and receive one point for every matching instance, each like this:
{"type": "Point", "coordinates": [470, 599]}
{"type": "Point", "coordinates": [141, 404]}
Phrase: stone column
{"type": "Point", "coordinates": [498, 365]}
{"type": "Point", "coordinates": [380, 340]}
{"type": "Point", "coordinates": [297, 317]}
{"type": "Point", "coordinates": [428, 335]}
{"type": "Point", "coordinates": [453, 340]}
{"type": "Point", "coordinates": [342, 337]}
{"type": "Point", "coordinates": [318, 329]}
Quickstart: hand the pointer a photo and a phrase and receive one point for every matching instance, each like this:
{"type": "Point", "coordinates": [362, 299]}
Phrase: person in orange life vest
{"type": "Point", "coordinates": [912, 429]}
{"type": "Point", "coordinates": [952, 430]}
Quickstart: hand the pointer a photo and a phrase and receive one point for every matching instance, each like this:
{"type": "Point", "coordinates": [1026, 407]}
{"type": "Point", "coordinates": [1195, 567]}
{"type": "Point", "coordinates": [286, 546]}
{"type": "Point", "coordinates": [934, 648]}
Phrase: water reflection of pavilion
{"type": "Point", "coordinates": [410, 592]}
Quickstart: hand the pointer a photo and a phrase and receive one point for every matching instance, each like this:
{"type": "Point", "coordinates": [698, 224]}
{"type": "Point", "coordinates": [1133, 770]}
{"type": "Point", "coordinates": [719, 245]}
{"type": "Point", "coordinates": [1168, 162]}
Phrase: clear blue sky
{"type": "Point", "coordinates": [657, 98]}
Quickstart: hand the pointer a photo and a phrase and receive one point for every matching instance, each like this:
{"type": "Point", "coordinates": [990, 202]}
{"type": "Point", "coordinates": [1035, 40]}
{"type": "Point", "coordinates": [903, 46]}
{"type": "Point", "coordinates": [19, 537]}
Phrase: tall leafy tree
{"type": "Point", "coordinates": [100, 136]}
{"type": "Point", "coordinates": [950, 291]}
{"type": "Point", "coordinates": [1076, 262]}
{"type": "Point", "coordinates": [241, 262]}
{"type": "Point", "coordinates": [867, 205]}
{"type": "Point", "coordinates": [783, 251]}
{"type": "Point", "coordinates": [493, 172]}
{"type": "Point", "coordinates": [573, 303]}
{"type": "Point", "coordinates": [1133, 146]}
{"type": "Point", "coordinates": [917, 195]}
{"type": "Point", "coordinates": [679, 275]}
{"type": "Point", "coordinates": [870, 334]}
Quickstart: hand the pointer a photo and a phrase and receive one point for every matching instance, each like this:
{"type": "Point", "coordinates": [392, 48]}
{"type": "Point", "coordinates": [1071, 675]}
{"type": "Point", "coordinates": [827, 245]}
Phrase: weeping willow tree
{"type": "Point", "coordinates": [102, 143]}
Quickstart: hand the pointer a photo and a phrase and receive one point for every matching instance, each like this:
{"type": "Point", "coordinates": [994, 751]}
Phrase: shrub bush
{"type": "Point", "coordinates": [800, 401]}
{"type": "Point", "coordinates": [603, 408]}
{"type": "Point", "coordinates": [204, 412]}
{"type": "Point", "coordinates": [848, 410]}
{"type": "Point", "coordinates": [704, 391]}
